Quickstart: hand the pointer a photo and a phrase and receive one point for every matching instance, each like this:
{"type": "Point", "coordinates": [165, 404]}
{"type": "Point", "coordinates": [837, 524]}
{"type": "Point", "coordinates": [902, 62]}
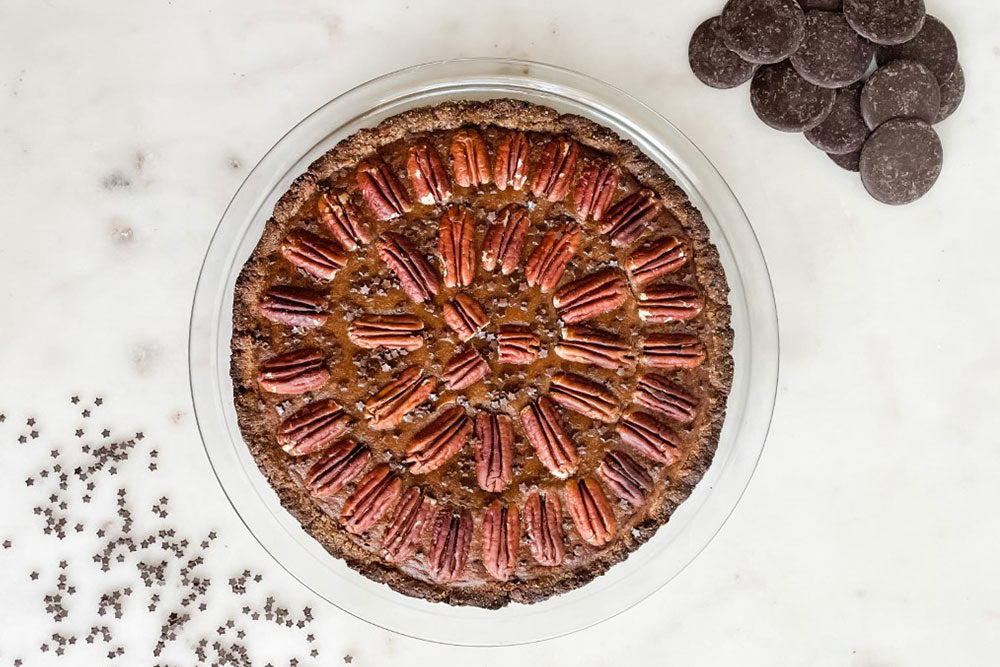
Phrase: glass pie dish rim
{"type": "Point", "coordinates": [677, 542]}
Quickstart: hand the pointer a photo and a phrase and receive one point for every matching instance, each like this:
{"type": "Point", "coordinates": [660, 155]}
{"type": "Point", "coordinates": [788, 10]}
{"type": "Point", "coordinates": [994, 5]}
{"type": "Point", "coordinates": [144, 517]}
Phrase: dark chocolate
{"type": "Point", "coordinates": [763, 31]}
{"type": "Point", "coordinates": [832, 54]}
{"type": "Point", "coordinates": [785, 101]}
{"type": "Point", "coordinates": [901, 89]}
{"type": "Point", "coordinates": [901, 161]}
{"type": "Point", "coordinates": [713, 62]}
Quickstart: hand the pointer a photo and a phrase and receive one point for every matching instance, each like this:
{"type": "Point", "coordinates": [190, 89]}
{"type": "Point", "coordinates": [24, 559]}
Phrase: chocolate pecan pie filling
{"type": "Point", "coordinates": [482, 351]}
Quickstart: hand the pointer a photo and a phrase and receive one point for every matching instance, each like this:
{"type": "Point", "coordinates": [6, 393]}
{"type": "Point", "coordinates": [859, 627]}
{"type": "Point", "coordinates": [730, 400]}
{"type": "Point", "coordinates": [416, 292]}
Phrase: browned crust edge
{"type": "Point", "coordinates": [506, 113]}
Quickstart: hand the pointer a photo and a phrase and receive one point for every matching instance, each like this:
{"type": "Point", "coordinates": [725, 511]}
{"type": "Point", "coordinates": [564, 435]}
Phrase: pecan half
{"type": "Point", "coordinates": [510, 167]}
{"type": "Point", "coordinates": [440, 440]}
{"type": "Point", "coordinates": [407, 526]}
{"type": "Point", "coordinates": [549, 259]}
{"type": "Point", "coordinates": [465, 316]}
{"type": "Point", "coordinates": [398, 398]}
{"type": "Point", "coordinates": [494, 450]}
{"type": "Point", "coordinates": [317, 256]}
{"type": "Point", "coordinates": [517, 344]}
{"type": "Point", "coordinates": [626, 477]}
{"type": "Point", "coordinates": [427, 174]}
{"type": "Point", "coordinates": [294, 372]}
{"type": "Point", "coordinates": [627, 220]}
{"type": "Point", "coordinates": [656, 259]}
{"type": "Point", "coordinates": [648, 436]}
{"type": "Point", "coordinates": [469, 159]}
{"type": "Point", "coordinates": [673, 350]}
{"type": "Point", "coordinates": [294, 306]}
{"type": "Point", "coordinates": [501, 539]}
{"type": "Point", "coordinates": [661, 395]}
{"type": "Point", "coordinates": [546, 432]}
{"type": "Point", "coordinates": [344, 221]}
{"type": "Point", "coordinates": [661, 304]}
{"type": "Point", "coordinates": [555, 169]}
{"type": "Point", "coordinates": [374, 495]}
{"type": "Point", "coordinates": [382, 191]}
{"type": "Point", "coordinates": [504, 239]}
{"type": "Point", "coordinates": [585, 345]}
{"type": "Point", "coordinates": [590, 296]}
{"type": "Point", "coordinates": [313, 427]}
{"type": "Point", "coordinates": [399, 331]}
{"type": "Point", "coordinates": [457, 247]}
{"type": "Point", "coordinates": [590, 510]}
{"type": "Point", "coordinates": [450, 543]}
{"type": "Point", "coordinates": [337, 468]}
{"type": "Point", "coordinates": [416, 275]}
{"type": "Point", "coordinates": [543, 524]}
{"type": "Point", "coordinates": [579, 394]}
{"type": "Point", "coordinates": [594, 190]}
{"type": "Point", "coordinates": [464, 369]}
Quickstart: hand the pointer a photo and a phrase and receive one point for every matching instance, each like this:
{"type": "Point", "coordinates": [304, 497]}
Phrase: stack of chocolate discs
{"type": "Point", "coordinates": [809, 61]}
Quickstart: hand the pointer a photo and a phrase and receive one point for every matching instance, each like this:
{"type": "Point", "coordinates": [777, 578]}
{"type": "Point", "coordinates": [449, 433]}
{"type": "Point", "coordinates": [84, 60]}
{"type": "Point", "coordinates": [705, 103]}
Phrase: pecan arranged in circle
{"type": "Point", "coordinates": [661, 304]}
{"type": "Point", "coordinates": [586, 345]}
{"type": "Point", "coordinates": [317, 256]}
{"type": "Point", "coordinates": [440, 440]}
{"type": "Point", "coordinates": [579, 394]}
{"type": "Point", "coordinates": [294, 372]}
{"type": "Point", "coordinates": [627, 220]}
{"type": "Point", "coordinates": [382, 191]}
{"type": "Point", "coordinates": [374, 495]}
{"type": "Point", "coordinates": [450, 543]}
{"type": "Point", "coordinates": [543, 524]}
{"type": "Point", "coordinates": [494, 451]}
{"type": "Point", "coordinates": [294, 306]}
{"type": "Point", "coordinates": [595, 189]}
{"type": "Point", "coordinates": [457, 247]}
{"type": "Point", "coordinates": [590, 296]}
{"type": "Point", "coordinates": [549, 259]}
{"type": "Point", "coordinates": [626, 477]}
{"type": "Point", "coordinates": [510, 167]}
{"type": "Point", "coordinates": [648, 436]}
{"type": "Point", "coordinates": [343, 221]}
{"type": "Point", "coordinates": [337, 468]}
{"type": "Point", "coordinates": [407, 526]}
{"type": "Point", "coordinates": [501, 539]}
{"type": "Point", "coordinates": [313, 427]}
{"type": "Point", "coordinates": [504, 239]}
{"type": "Point", "coordinates": [663, 396]}
{"type": "Point", "coordinates": [673, 350]}
{"type": "Point", "coordinates": [464, 369]}
{"type": "Point", "coordinates": [397, 399]}
{"type": "Point", "coordinates": [465, 316]}
{"type": "Point", "coordinates": [555, 169]}
{"type": "Point", "coordinates": [546, 432]}
{"type": "Point", "coordinates": [427, 174]}
{"type": "Point", "coordinates": [656, 259]}
{"type": "Point", "coordinates": [399, 331]}
{"type": "Point", "coordinates": [590, 510]}
{"type": "Point", "coordinates": [517, 344]}
{"type": "Point", "coordinates": [469, 159]}
{"type": "Point", "coordinates": [416, 275]}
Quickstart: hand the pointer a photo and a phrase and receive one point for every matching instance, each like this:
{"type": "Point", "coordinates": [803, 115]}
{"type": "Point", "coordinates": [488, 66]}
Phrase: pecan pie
{"type": "Point", "coordinates": [482, 351]}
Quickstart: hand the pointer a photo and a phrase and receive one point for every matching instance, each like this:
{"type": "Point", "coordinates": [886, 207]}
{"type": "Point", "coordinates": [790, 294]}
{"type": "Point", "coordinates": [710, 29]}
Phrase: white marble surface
{"type": "Point", "coordinates": [869, 535]}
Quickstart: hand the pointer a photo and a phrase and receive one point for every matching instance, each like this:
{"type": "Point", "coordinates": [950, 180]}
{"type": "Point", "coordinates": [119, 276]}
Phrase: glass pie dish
{"type": "Point", "coordinates": [749, 408]}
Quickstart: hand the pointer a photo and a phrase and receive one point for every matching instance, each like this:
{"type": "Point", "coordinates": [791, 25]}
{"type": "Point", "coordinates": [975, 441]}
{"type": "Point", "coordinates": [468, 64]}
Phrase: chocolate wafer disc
{"type": "Point", "coordinates": [934, 46]}
{"type": "Point", "coordinates": [886, 21]}
{"type": "Point", "coordinates": [901, 161]}
{"type": "Point", "coordinates": [785, 101]}
{"type": "Point", "coordinates": [952, 92]}
{"type": "Point", "coordinates": [901, 89]}
{"type": "Point", "coordinates": [763, 31]}
{"type": "Point", "coordinates": [848, 161]}
{"type": "Point", "coordinates": [832, 54]}
{"type": "Point", "coordinates": [823, 5]}
{"type": "Point", "coordinates": [844, 130]}
{"type": "Point", "coordinates": [712, 61]}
